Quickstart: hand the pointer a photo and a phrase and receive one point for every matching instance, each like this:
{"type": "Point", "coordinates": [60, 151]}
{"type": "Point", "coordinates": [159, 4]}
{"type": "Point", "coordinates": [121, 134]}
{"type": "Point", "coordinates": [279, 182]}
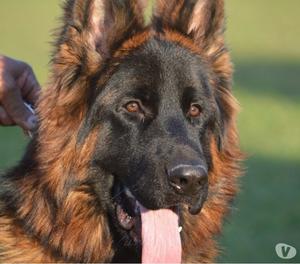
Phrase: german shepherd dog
{"type": "Point", "coordinates": [136, 156]}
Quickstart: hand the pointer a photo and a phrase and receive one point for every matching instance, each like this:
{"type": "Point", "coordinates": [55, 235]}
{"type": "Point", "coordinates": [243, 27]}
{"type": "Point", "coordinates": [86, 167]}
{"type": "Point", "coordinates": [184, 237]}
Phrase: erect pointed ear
{"type": "Point", "coordinates": [93, 29]}
{"type": "Point", "coordinates": [202, 20]}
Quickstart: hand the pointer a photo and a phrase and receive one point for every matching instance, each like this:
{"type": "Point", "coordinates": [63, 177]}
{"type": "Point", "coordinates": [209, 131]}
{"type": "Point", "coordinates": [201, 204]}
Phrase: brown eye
{"type": "Point", "coordinates": [194, 111]}
{"type": "Point", "coordinates": [133, 107]}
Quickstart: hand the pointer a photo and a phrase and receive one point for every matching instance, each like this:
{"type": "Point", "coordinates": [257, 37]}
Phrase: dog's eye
{"type": "Point", "coordinates": [194, 111]}
{"type": "Point", "coordinates": [133, 107]}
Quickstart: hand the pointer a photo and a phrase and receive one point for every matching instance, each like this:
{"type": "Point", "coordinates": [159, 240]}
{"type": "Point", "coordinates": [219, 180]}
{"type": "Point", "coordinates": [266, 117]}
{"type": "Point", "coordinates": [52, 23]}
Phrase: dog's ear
{"type": "Point", "coordinates": [92, 30]}
{"type": "Point", "coordinates": [201, 20]}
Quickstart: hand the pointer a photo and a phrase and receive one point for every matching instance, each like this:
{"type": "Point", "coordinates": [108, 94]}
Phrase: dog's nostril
{"type": "Point", "coordinates": [183, 181]}
{"type": "Point", "coordinates": [187, 179]}
{"type": "Point", "coordinates": [203, 180]}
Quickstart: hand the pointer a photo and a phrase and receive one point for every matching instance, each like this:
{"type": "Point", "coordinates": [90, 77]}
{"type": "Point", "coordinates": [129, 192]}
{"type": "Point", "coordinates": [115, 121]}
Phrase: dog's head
{"type": "Point", "coordinates": [149, 107]}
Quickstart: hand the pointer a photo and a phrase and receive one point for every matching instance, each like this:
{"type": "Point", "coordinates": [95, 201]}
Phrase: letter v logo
{"type": "Point", "coordinates": [285, 251]}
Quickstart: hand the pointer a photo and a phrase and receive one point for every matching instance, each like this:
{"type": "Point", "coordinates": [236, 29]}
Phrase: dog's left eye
{"type": "Point", "coordinates": [194, 111]}
{"type": "Point", "coordinates": [133, 107]}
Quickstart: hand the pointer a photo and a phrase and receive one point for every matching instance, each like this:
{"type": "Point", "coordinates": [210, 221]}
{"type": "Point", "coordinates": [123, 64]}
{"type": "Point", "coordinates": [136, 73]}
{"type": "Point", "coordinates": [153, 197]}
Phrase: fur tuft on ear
{"type": "Point", "coordinates": [207, 21]}
{"type": "Point", "coordinates": [202, 20]}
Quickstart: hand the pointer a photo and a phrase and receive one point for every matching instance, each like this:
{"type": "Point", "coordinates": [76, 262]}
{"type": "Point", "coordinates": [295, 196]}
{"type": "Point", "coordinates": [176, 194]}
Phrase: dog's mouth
{"type": "Point", "coordinates": [127, 212]}
{"type": "Point", "coordinates": [157, 231]}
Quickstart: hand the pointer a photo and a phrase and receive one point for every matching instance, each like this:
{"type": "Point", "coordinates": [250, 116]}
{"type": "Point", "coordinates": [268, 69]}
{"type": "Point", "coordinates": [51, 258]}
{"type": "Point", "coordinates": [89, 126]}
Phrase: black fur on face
{"type": "Point", "coordinates": [144, 122]}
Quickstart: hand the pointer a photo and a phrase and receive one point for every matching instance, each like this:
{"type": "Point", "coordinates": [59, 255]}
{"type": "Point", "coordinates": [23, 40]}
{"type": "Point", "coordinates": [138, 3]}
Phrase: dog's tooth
{"type": "Point", "coordinates": [179, 229]}
{"type": "Point", "coordinates": [178, 187]}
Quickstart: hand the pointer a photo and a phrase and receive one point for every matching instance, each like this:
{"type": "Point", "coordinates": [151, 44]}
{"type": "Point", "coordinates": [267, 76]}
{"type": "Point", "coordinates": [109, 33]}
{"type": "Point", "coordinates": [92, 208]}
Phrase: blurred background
{"type": "Point", "coordinates": [264, 37]}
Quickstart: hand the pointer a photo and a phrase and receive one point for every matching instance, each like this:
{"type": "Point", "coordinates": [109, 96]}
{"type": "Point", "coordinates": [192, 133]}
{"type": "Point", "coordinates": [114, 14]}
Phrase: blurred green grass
{"type": "Point", "coordinates": [264, 37]}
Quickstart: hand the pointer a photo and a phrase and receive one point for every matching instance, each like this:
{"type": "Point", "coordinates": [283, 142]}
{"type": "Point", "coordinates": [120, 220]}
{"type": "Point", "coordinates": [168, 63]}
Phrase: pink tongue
{"type": "Point", "coordinates": [160, 236]}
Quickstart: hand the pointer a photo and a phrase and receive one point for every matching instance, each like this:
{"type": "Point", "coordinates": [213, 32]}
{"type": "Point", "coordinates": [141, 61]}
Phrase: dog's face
{"type": "Point", "coordinates": [157, 112]}
{"type": "Point", "coordinates": [157, 98]}
{"type": "Point", "coordinates": [156, 115]}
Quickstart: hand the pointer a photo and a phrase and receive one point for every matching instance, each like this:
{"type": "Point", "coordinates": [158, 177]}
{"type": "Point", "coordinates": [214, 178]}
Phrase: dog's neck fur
{"type": "Point", "coordinates": [55, 211]}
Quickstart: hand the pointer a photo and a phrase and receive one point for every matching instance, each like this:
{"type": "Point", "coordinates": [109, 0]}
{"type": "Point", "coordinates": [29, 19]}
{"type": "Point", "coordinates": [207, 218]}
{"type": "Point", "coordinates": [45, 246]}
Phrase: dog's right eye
{"type": "Point", "coordinates": [133, 107]}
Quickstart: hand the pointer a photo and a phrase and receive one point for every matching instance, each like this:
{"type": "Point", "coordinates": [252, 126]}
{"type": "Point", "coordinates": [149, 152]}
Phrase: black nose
{"type": "Point", "coordinates": [188, 179]}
